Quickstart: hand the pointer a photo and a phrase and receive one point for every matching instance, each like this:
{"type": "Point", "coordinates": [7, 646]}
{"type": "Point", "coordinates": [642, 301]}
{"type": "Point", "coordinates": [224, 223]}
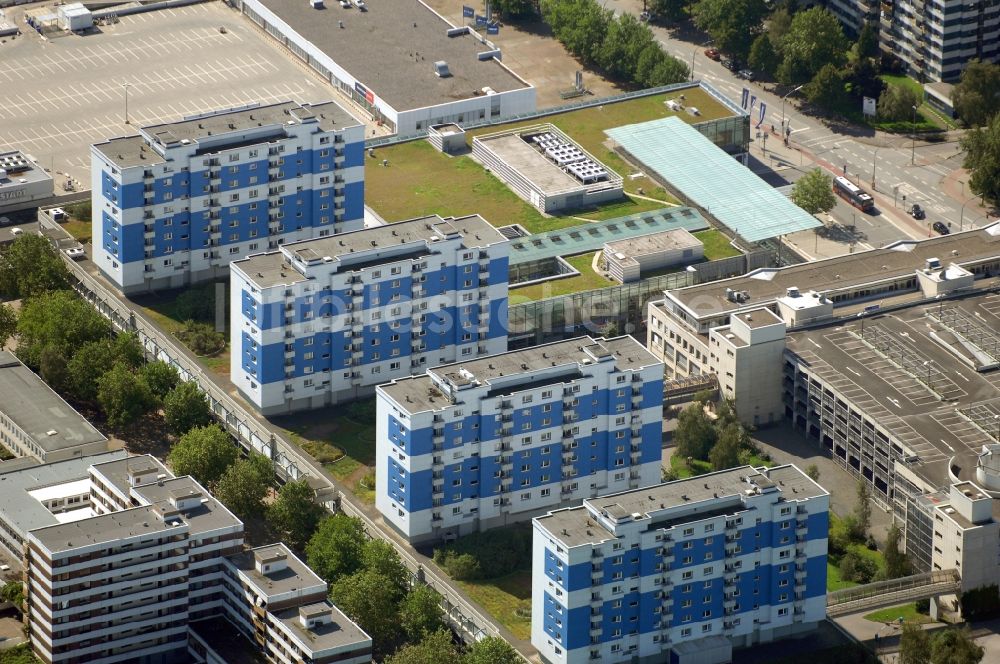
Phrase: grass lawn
{"type": "Point", "coordinates": [161, 310]}
{"type": "Point", "coordinates": [623, 208]}
{"type": "Point", "coordinates": [507, 599]}
{"type": "Point", "coordinates": [833, 580]}
{"type": "Point", "coordinates": [716, 244]}
{"type": "Point", "coordinates": [684, 470]}
{"type": "Point", "coordinates": [928, 118]}
{"type": "Point", "coordinates": [80, 230]}
{"type": "Point", "coordinates": [587, 280]}
{"type": "Point", "coordinates": [908, 612]}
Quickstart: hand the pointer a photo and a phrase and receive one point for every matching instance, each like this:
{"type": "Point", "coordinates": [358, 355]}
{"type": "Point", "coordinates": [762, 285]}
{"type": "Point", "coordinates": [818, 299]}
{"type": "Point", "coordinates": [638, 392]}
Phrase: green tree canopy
{"type": "Point", "coordinates": [867, 44]}
{"type": "Point", "coordinates": [514, 8]}
{"type": "Point", "coordinates": [982, 158]}
{"type": "Point", "coordinates": [128, 350]}
{"type": "Point", "coordinates": [763, 56]}
{"type": "Point", "coordinates": [335, 550]}
{"type": "Point", "coordinates": [896, 562]}
{"type": "Point", "coordinates": [863, 510]}
{"type": "Point", "coordinates": [204, 453]}
{"type": "Point", "coordinates": [814, 40]}
{"type": "Point", "coordinates": [435, 648]}
{"type": "Point", "coordinates": [124, 396]}
{"type": "Point", "coordinates": [896, 103]}
{"type": "Point", "coordinates": [694, 434]}
{"type": "Point", "coordinates": [826, 89]}
{"type": "Point", "coordinates": [812, 471]}
{"type": "Point", "coordinates": [670, 11]}
{"type": "Point", "coordinates": [88, 364]}
{"type": "Point", "coordinates": [295, 514]}
{"type": "Point", "coordinates": [624, 42]}
{"type": "Point", "coordinates": [8, 323]}
{"type": "Point", "coordinates": [59, 320]}
{"type": "Point", "coordinates": [976, 97]}
{"type": "Point", "coordinates": [372, 601]}
{"type": "Point", "coordinates": [420, 613]}
{"type": "Point", "coordinates": [380, 556]}
{"type": "Point", "coordinates": [955, 646]}
{"type": "Point", "coordinates": [579, 24]}
{"type": "Point", "coordinates": [726, 451]}
{"type": "Point", "coordinates": [244, 485]}
{"type": "Point", "coordinates": [778, 25]}
{"type": "Point", "coordinates": [185, 407]}
{"type": "Point", "coordinates": [30, 266]}
{"type": "Point", "coordinates": [160, 377]}
{"type": "Point", "coordinates": [813, 192]}
{"type": "Point", "coordinates": [914, 645]}
{"type": "Point", "coordinates": [491, 650]}
{"type": "Point", "coordinates": [733, 24]}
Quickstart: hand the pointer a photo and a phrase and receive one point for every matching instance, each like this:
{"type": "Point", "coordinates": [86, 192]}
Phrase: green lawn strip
{"type": "Point", "coordinates": [684, 469]}
{"type": "Point", "coordinates": [586, 280]}
{"type": "Point", "coordinates": [624, 207]}
{"type": "Point", "coordinates": [716, 244]}
{"type": "Point", "coordinates": [507, 599]}
{"type": "Point", "coordinates": [908, 612]}
{"type": "Point", "coordinates": [348, 447]}
{"type": "Point", "coordinates": [833, 580]}
{"type": "Point", "coordinates": [80, 230]}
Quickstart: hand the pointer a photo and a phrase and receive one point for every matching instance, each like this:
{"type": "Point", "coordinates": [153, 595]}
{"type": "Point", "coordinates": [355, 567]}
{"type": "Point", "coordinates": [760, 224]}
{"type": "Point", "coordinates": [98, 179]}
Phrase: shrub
{"type": "Point", "coordinates": [486, 555]}
{"type": "Point", "coordinates": [362, 411]}
{"type": "Point", "coordinates": [857, 568]}
{"type": "Point", "coordinates": [202, 338]}
{"type": "Point", "coordinates": [459, 566]}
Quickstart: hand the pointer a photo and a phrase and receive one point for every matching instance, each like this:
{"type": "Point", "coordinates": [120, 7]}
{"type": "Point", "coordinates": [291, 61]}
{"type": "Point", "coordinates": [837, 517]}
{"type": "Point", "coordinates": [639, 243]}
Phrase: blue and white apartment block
{"type": "Point", "coordinates": [482, 443]}
{"type": "Point", "coordinates": [176, 203]}
{"type": "Point", "coordinates": [683, 571]}
{"type": "Point", "coordinates": [326, 320]}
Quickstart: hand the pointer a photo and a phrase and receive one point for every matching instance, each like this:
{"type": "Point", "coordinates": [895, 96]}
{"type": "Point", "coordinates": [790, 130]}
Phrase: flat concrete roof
{"type": "Point", "coordinates": [391, 48]}
{"type": "Point", "coordinates": [134, 150]}
{"type": "Point", "coordinates": [576, 526]}
{"type": "Point", "coordinates": [276, 268]}
{"type": "Point", "coordinates": [939, 426]}
{"type": "Point", "coordinates": [102, 529]}
{"type": "Point", "coordinates": [899, 258]}
{"type": "Point", "coordinates": [418, 393]}
{"type": "Point", "coordinates": [643, 245]}
{"type": "Point", "coordinates": [41, 413]}
{"type": "Point", "coordinates": [296, 576]}
{"type": "Point", "coordinates": [340, 632]}
{"type": "Point", "coordinates": [116, 472]}
{"type": "Point", "coordinates": [19, 166]}
{"type": "Point", "coordinates": [530, 163]}
{"type": "Point", "coordinates": [23, 512]}
{"type": "Point", "coordinates": [209, 515]}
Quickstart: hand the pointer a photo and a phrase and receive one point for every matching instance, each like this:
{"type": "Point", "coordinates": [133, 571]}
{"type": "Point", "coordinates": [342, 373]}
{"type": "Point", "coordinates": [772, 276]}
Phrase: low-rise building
{"type": "Point", "coordinates": [487, 442]}
{"type": "Point", "coordinates": [632, 259]}
{"type": "Point", "coordinates": [326, 320]}
{"type": "Point", "coordinates": [683, 571]}
{"type": "Point", "coordinates": [23, 183]}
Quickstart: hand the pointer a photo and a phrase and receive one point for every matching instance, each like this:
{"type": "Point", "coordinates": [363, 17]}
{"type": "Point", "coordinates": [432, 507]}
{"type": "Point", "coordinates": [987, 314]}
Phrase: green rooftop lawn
{"type": "Point", "coordinates": [419, 180]}
{"type": "Point", "coordinates": [507, 599]}
{"type": "Point", "coordinates": [716, 244]}
{"type": "Point", "coordinates": [587, 280]}
{"type": "Point", "coordinates": [908, 612]}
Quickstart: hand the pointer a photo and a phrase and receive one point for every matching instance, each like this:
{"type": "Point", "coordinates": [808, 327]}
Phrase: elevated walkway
{"type": "Point", "coordinates": [888, 593]}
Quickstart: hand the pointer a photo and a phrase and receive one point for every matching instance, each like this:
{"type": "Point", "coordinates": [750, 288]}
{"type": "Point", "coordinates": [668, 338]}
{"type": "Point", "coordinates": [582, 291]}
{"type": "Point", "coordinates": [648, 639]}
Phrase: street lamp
{"type": "Point", "coordinates": [783, 108]}
{"type": "Point", "coordinates": [997, 418]}
{"type": "Point", "coordinates": [125, 87]}
{"type": "Point", "coordinates": [695, 52]}
{"type": "Point", "coordinates": [874, 159]}
{"type": "Point", "coordinates": [927, 363]}
{"type": "Point", "coordinates": [913, 136]}
{"type": "Point", "coordinates": [961, 216]}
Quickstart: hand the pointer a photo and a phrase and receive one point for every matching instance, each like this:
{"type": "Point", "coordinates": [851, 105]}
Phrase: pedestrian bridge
{"type": "Point", "coordinates": [892, 592]}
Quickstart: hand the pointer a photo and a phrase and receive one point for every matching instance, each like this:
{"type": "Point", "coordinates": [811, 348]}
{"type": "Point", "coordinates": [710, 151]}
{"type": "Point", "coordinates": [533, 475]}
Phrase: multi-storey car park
{"type": "Point", "coordinates": [326, 320]}
{"type": "Point", "coordinates": [889, 362]}
{"type": "Point", "coordinates": [176, 203]}
{"type": "Point", "coordinates": [487, 442]}
{"type": "Point", "coordinates": [125, 562]}
{"type": "Point", "coordinates": [681, 572]}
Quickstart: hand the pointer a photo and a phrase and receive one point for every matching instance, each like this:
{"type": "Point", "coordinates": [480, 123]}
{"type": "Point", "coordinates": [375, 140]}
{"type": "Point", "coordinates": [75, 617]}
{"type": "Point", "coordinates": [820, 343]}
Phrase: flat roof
{"type": "Point", "coordinates": [276, 267]}
{"type": "Point", "coordinates": [64, 490]}
{"type": "Point", "coordinates": [133, 150]}
{"type": "Point", "coordinates": [41, 413]}
{"type": "Point", "coordinates": [116, 472]}
{"type": "Point", "coordinates": [102, 529]}
{"type": "Point", "coordinates": [296, 576]}
{"type": "Point", "coordinates": [341, 631]}
{"type": "Point", "coordinates": [22, 511]}
{"type": "Point", "coordinates": [529, 162]}
{"type": "Point", "coordinates": [210, 513]}
{"type": "Point", "coordinates": [576, 525]}
{"type": "Point", "coordinates": [654, 243]}
{"type": "Point", "coordinates": [418, 392]}
{"type": "Point", "coordinates": [763, 286]}
{"type": "Point", "coordinates": [703, 173]}
{"type": "Point", "coordinates": [594, 235]}
{"type": "Point", "coordinates": [391, 48]}
{"type": "Point", "coordinates": [945, 425]}
{"type": "Point", "coordinates": [19, 166]}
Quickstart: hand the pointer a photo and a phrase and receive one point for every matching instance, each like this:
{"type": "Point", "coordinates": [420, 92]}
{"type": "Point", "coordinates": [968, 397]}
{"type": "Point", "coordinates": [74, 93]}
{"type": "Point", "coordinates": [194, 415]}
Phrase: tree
{"type": "Point", "coordinates": [491, 650]}
{"type": "Point", "coordinates": [863, 80]}
{"type": "Point", "coordinates": [863, 510]}
{"type": "Point", "coordinates": [128, 350]}
{"type": "Point", "coordinates": [579, 24]}
{"type": "Point", "coordinates": [896, 562]}
{"type": "Point", "coordinates": [420, 612]}
{"type": "Point", "coordinates": [778, 25]}
{"type": "Point", "coordinates": [656, 68]}
{"type": "Point", "coordinates": [826, 89]}
{"type": "Point", "coordinates": [976, 97]}
{"type": "Point", "coordinates": [160, 377]}
{"type": "Point", "coordinates": [13, 592]}
{"type": "Point", "coordinates": [381, 557]}
{"type": "Point", "coordinates": [335, 550]}
{"type": "Point", "coordinates": [726, 451]}
{"type": "Point", "coordinates": [914, 645]}
{"type": "Point", "coordinates": [812, 471]}
{"type": "Point", "coordinates": [955, 646]}
{"type": "Point", "coordinates": [58, 319]}
{"type": "Point", "coordinates": [867, 44]}
{"type": "Point", "coordinates": [514, 8]}
{"type": "Point", "coordinates": [624, 42]}
{"type": "Point", "coordinates": [695, 434]}
{"type": "Point", "coordinates": [732, 24]}
{"type": "Point", "coordinates": [244, 485]}
{"type": "Point", "coordinates": [88, 364]}
{"type": "Point", "coordinates": [295, 514]}
{"type": "Point", "coordinates": [185, 407]}
{"type": "Point", "coordinates": [813, 192]}
{"type": "Point", "coordinates": [814, 40]}
{"type": "Point", "coordinates": [896, 103]}
{"type": "Point", "coordinates": [8, 323]}
{"type": "Point", "coordinates": [982, 158]}
{"type": "Point", "coordinates": [763, 57]}
{"type": "Point", "coordinates": [857, 568]}
{"type": "Point", "coordinates": [52, 368]}
{"type": "Point", "coordinates": [671, 11]}
{"type": "Point", "coordinates": [124, 396]}
{"type": "Point", "coordinates": [30, 266]}
{"type": "Point", "coordinates": [204, 453]}
{"type": "Point", "coordinates": [435, 648]}
{"type": "Point", "coordinates": [369, 599]}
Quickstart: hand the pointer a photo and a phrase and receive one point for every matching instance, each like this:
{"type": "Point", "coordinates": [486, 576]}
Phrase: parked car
{"type": "Point", "coordinates": [713, 54]}
{"type": "Point", "coordinates": [77, 253]}
{"type": "Point", "coordinates": [917, 212]}
{"type": "Point", "coordinates": [940, 228]}
{"type": "Point", "coordinates": [730, 64]}
{"type": "Point", "coordinates": [746, 74]}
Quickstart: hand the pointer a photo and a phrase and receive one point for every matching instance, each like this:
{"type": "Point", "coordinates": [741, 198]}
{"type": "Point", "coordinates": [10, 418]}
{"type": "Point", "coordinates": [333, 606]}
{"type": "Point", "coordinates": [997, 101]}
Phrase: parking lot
{"type": "Point", "coordinates": [59, 95]}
